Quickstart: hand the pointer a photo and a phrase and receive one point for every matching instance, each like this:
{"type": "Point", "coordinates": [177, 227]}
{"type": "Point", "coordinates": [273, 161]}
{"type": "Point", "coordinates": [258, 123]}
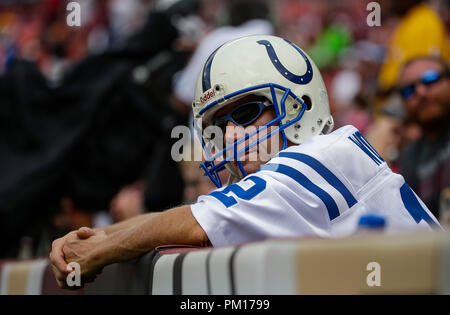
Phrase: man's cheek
{"type": "Point", "coordinates": [269, 148]}
{"type": "Point", "coordinates": [412, 108]}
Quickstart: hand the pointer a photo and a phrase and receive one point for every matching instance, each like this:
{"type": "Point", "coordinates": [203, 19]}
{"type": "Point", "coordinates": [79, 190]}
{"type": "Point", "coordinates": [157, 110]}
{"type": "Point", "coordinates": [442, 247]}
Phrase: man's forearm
{"type": "Point", "coordinates": [127, 223]}
{"type": "Point", "coordinates": [175, 226]}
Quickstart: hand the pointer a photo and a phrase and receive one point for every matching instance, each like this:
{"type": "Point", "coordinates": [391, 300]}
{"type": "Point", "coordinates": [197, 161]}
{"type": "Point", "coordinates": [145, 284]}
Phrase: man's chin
{"type": "Point", "coordinates": [433, 120]}
{"type": "Point", "coordinates": [250, 167]}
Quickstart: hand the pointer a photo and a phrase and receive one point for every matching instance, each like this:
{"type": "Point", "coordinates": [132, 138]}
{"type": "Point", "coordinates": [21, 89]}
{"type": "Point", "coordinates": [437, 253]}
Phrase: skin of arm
{"type": "Point", "coordinates": [174, 226]}
{"type": "Point", "coordinates": [126, 241]}
{"type": "Point", "coordinates": [127, 223]}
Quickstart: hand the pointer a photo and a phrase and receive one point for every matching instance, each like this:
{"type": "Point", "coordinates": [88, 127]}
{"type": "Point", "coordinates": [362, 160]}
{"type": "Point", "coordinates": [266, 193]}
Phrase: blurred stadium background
{"type": "Point", "coordinates": [86, 112]}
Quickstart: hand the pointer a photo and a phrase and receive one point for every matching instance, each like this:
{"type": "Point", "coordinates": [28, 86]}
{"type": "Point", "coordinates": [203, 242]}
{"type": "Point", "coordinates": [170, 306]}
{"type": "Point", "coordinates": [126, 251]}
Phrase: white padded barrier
{"type": "Point", "coordinates": [163, 275]}
{"type": "Point", "coordinates": [195, 279]}
{"type": "Point", "coordinates": [266, 268]}
{"type": "Point", "coordinates": [23, 277]}
{"type": "Point", "coordinates": [445, 267]}
{"type": "Point", "coordinates": [410, 264]}
{"type": "Point", "coordinates": [219, 270]}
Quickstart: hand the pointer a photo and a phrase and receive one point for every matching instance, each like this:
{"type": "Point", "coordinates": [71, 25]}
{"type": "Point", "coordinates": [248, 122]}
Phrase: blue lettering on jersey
{"type": "Point", "coordinates": [330, 204]}
{"type": "Point", "coordinates": [324, 172]}
{"type": "Point", "coordinates": [414, 207]}
{"type": "Point", "coordinates": [358, 139]}
{"type": "Point", "coordinates": [228, 201]}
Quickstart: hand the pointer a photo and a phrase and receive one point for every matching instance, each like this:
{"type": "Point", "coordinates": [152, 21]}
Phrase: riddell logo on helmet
{"type": "Point", "coordinates": [207, 96]}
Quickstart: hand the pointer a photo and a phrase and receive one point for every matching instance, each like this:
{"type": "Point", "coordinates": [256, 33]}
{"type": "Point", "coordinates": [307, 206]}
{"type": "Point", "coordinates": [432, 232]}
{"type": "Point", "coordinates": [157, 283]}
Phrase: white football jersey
{"type": "Point", "coordinates": [319, 188]}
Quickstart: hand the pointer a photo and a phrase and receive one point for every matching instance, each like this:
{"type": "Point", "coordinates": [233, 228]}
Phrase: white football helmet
{"type": "Point", "coordinates": [267, 66]}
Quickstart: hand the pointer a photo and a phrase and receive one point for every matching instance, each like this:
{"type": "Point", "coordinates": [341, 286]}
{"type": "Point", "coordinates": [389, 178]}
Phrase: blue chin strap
{"type": "Point", "coordinates": [212, 170]}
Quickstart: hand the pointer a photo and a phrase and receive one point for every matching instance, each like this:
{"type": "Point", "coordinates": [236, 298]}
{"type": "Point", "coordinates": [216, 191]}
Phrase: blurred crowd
{"type": "Point", "coordinates": [363, 68]}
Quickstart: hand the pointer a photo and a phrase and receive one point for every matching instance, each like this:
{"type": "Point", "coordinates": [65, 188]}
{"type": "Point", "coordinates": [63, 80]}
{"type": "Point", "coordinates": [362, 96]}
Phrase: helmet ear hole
{"type": "Point", "coordinates": [307, 100]}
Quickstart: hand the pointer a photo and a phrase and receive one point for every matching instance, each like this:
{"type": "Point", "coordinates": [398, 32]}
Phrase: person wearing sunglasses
{"type": "Point", "coordinates": [255, 94]}
{"type": "Point", "coordinates": [241, 118]}
{"type": "Point", "coordinates": [424, 86]}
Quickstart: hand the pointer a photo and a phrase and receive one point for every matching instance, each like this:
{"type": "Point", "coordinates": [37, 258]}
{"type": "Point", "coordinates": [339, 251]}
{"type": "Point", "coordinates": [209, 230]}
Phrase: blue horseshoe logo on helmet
{"type": "Point", "coordinates": [299, 79]}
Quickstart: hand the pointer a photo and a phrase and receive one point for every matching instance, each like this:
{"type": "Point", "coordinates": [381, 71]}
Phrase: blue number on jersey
{"type": "Point", "coordinates": [414, 207]}
{"type": "Point", "coordinates": [228, 201]}
{"type": "Point", "coordinates": [358, 139]}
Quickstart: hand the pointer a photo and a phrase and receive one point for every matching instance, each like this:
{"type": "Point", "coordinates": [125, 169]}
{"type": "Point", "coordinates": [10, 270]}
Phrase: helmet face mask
{"type": "Point", "coordinates": [259, 65]}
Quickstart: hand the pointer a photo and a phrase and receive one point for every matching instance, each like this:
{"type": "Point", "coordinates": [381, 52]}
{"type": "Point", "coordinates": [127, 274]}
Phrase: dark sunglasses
{"type": "Point", "coordinates": [428, 78]}
{"type": "Point", "coordinates": [242, 115]}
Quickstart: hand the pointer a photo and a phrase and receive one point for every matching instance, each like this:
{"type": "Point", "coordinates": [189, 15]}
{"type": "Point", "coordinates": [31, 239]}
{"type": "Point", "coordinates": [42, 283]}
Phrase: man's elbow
{"type": "Point", "coordinates": [188, 231]}
{"type": "Point", "coordinates": [200, 236]}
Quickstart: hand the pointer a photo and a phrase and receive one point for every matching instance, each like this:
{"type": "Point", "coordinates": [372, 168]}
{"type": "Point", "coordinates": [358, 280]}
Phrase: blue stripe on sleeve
{"type": "Point", "coordinates": [324, 172]}
{"type": "Point", "coordinates": [329, 202]}
{"type": "Point", "coordinates": [358, 139]}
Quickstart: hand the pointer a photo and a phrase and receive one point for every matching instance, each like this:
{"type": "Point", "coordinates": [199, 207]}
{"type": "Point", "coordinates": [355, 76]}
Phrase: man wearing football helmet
{"type": "Point", "coordinates": [300, 102]}
{"type": "Point", "coordinates": [262, 110]}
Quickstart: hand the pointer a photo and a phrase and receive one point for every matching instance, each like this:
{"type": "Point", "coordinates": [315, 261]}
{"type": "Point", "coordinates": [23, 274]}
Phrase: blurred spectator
{"type": "Point", "coordinates": [300, 21]}
{"type": "Point", "coordinates": [246, 17]}
{"type": "Point", "coordinates": [409, 29]}
{"type": "Point", "coordinates": [128, 202]}
{"type": "Point", "coordinates": [331, 42]}
{"type": "Point", "coordinates": [104, 126]}
{"type": "Point", "coordinates": [421, 32]}
{"type": "Point", "coordinates": [126, 17]}
{"type": "Point", "coordinates": [424, 84]}
{"type": "Point", "coordinates": [37, 30]}
{"type": "Point", "coordinates": [358, 115]}
{"type": "Point", "coordinates": [196, 183]}
{"type": "Point", "coordinates": [385, 135]}
{"type": "Point", "coordinates": [79, 141]}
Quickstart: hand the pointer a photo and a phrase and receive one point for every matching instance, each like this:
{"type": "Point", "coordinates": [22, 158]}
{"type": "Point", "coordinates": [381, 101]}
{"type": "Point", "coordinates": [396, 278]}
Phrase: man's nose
{"type": "Point", "coordinates": [233, 132]}
{"type": "Point", "coordinates": [421, 90]}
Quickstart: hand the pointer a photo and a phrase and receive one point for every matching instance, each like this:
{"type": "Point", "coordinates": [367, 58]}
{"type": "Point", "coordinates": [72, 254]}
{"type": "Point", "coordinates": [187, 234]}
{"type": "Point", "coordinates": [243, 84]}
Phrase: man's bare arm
{"type": "Point", "coordinates": [175, 226]}
{"type": "Point", "coordinates": [127, 223]}
{"type": "Point", "coordinates": [59, 263]}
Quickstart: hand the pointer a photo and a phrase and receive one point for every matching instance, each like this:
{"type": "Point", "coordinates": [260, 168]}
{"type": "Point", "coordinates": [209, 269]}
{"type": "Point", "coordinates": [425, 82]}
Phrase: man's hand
{"type": "Point", "coordinates": [57, 258]}
{"type": "Point", "coordinates": [82, 250]}
{"type": "Point", "coordinates": [93, 250]}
